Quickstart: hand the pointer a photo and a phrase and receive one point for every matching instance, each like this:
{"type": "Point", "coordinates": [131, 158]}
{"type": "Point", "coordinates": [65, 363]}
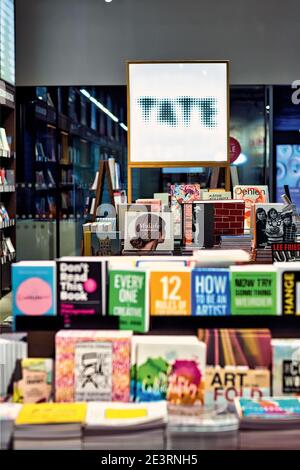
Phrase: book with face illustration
{"type": "Point", "coordinates": [149, 231]}
{"type": "Point", "coordinates": [270, 226]}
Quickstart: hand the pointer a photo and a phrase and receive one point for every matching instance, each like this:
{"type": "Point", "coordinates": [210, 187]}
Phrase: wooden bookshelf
{"type": "Point", "coordinates": [7, 192]}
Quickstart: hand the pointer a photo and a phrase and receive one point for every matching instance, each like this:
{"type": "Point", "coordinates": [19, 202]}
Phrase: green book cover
{"type": "Point", "coordinates": [128, 299]}
{"type": "Point", "coordinates": [253, 293]}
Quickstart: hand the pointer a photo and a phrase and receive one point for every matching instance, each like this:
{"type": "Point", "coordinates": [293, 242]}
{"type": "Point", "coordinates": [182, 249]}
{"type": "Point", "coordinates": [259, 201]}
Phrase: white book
{"type": "Point", "coordinates": [125, 415]}
{"type": "Point", "coordinates": [93, 205]}
{"type": "Point", "coordinates": [95, 182]}
{"type": "Point", "coordinates": [4, 142]}
{"type": "Point", "coordinates": [220, 257]}
{"type": "Point", "coordinates": [112, 169]}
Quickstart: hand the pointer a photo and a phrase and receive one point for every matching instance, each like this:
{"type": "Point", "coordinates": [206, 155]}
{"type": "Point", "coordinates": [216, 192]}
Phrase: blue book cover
{"type": "Point", "coordinates": [33, 287]}
{"type": "Point", "coordinates": [210, 292]}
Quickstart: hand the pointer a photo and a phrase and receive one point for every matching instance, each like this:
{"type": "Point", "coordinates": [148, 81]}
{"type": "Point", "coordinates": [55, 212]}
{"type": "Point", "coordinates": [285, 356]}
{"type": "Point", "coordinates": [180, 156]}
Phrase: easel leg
{"type": "Point", "coordinates": [129, 185]}
{"type": "Point", "coordinates": [227, 178]}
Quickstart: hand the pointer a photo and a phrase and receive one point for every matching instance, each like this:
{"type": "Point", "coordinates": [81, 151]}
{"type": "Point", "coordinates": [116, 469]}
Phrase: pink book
{"type": "Point", "coordinates": [92, 365]}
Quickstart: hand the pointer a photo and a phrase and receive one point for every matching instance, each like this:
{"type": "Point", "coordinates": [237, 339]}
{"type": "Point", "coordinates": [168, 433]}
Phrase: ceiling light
{"type": "Point", "coordinates": [102, 107]}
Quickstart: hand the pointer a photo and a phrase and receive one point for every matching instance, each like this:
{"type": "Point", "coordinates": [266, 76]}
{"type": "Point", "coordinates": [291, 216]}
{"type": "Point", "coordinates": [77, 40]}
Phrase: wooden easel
{"type": "Point", "coordinates": [103, 171]}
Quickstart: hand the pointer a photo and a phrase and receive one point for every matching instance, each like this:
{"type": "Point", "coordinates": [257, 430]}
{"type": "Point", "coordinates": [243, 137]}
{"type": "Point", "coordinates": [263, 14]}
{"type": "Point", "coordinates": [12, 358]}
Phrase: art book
{"type": "Point", "coordinates": [250, 348]}
{"type": "Point", "coordinates": [171, 368]}
{"type": "Point", "coordinates": [286, 367]}
{"type": "Point", "coordinates": [81, 286]}
{"type": "Point", "coordinates": [51, 413]}
{"type": "Point", "coordinates": [170, 291]}
{"type": "Point", "coordinates": [270, 227]}
{"type": "Point", "coordinates": [123, 416]}
{"type": "Point", "coordinates": [214, 195]}
{"type": "Point", "coordinates": [33, 379]}
{"type": "Point", "coordinates": [288, 288]}
{"type": "Point", "coordinates": [224, 384]}
{"type": "Point", "coordinates": [253, 290]}
{"type": "Point", "coordinates": [268, 413]}
{"type": "Point", "coordinates": [124, 208]}
{"type": "Point", "coordinates": [92, 365]}
{"type": "Point", "coordinates": [149, 231]}
{"type": "Point", "coordinates": [186, 192]}
{"type": "Point", "coordinates": [285, 252]}
{"type": "Point", "coordinates": [198, 225]}
{"type": "Point", "coordinates": [33, 287]}
{"type": "Point", "coordinates": [129, 298]}
{"type": "Point", "coordinates": [251, 195]}
{"type": "Point", "coordinates": [181, 193]}
{"type": "Point", "coordinates": [210, 292]}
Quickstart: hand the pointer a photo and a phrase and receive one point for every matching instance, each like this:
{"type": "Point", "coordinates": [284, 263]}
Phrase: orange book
{"type": "Point", "coordinates": [170, 292]}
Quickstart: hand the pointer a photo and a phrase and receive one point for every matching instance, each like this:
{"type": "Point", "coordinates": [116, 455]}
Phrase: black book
{"type": "Point", "coordinates": [198, 225]}
{"type": "Point", "coordinates": [81, 286]}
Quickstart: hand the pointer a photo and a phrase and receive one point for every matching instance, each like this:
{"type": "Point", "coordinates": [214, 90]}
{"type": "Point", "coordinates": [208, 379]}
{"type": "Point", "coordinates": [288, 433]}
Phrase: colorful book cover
{"type": "Point", "coordinates": [269, 408]}
{"type": "Point", "coordinates": [186, 192]}
{"type": "Point", "coordinates": [269, 227]}
{"type": "Point", "coordinates": [286, 367]}
{"type": "Point", "coordinates": [172, 370]}
{"type": "Point", "coordinates": [170, 292]}
{"type": "Point", "coordinates": [285, 252]}
{"type": "Point", "coordinates": [251, 195]}
{"type": "Point", "coordinates": [149, 231]}
{"type": "Point", "coordinates": [246, 347]}
{"type": "Point", "coordinates": [67, 383]}
{"type": "Point", "coordinates": [181, 193]}
{"type": "Point", "coordinates": [93, 365]}
{"type": "Point", "coordinates": [80, 286]}
{"type": "Point", "coordinates": [210, 292]}
{"type": "Point", "coordinates": [33, 287]}
{"type": "Point", "coordinates": [129, 299]}
{"type": "Point", "coordinates": [198, 225]}
{"type": "Point", "coordinates": [288, 288]}
{"type": "Point", "coordinates": [253, 291]}
{"type": "Point", "coordinates": [33, 380]}
{"type": "Point", "coordinates": [224, 384]}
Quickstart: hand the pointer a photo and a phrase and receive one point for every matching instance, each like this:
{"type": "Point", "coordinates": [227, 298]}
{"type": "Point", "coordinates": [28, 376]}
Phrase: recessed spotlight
{"type": "Point", "coordinates": [108, 1]}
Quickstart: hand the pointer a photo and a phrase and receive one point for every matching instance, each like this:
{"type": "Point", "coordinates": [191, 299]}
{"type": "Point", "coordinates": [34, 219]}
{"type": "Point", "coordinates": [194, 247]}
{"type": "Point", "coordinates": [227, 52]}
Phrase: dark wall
{"type": "Point", "coordinates": [87, 41]}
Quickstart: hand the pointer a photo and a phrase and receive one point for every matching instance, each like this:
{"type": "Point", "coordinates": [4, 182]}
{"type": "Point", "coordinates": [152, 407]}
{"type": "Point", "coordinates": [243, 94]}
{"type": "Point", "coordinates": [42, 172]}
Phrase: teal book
{"type": "Point", "coordinates": [253, 290]}
{"type": "Point", "coordinates": [33, 287]}
{"type": "Point", "coordinates": [129, 299]}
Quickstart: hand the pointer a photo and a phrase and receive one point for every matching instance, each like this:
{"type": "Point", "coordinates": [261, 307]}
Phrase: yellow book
{"type": "Point", "coordinates": [50, 413]}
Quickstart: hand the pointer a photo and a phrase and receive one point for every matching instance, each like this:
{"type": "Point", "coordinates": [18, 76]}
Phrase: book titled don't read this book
{"type": "Point", "coordinates": [81, 286]}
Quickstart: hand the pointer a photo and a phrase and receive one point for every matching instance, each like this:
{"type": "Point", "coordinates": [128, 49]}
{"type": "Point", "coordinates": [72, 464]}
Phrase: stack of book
{"type": "Point", "coordinates": [201, 428]}
{"type": "Point", "coordinates": [125, 426]}
{"type": "Point", "coordinates": [269, 423]}
{"type": "Point", "coordinates": [10, 351]}
{"type": "Point", "coordinates": [49, 426]}
{"type": "Point", "coordinates": [8, 414]}
{"type": "Point", "coordinates": [230, 242]}
{"type": "Point", "coordinates": [263, 255]}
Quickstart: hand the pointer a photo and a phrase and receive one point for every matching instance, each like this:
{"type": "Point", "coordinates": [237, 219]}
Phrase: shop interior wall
{"type": "Point", "coordinates": [87, 41]}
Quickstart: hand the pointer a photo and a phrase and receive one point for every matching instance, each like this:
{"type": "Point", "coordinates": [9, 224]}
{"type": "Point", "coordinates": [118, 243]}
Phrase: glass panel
{"type": "Point", "coordinates": [286, 142]}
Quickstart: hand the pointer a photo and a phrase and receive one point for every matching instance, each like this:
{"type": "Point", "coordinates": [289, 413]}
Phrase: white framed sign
{"type": "Point", "coordinates": [178, 113]}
